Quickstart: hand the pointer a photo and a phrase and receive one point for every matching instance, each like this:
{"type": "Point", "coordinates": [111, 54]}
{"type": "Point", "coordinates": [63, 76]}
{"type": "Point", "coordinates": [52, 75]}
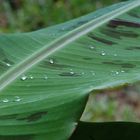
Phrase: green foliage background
{"type": "Point", "coordinates": [29, 15]}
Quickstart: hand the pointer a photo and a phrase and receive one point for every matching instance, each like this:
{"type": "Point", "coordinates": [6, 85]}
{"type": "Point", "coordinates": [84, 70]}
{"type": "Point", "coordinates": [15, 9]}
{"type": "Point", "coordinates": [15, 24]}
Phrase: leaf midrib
{"type": "Point", "coordinates": [57, 44]}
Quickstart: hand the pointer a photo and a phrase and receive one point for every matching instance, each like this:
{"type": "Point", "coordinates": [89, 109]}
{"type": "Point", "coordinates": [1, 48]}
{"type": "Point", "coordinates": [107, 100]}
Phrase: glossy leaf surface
{"type": "Point", "coordinates": [47, 75]}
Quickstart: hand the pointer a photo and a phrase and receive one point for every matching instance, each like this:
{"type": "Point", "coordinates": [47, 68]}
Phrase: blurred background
{"type": "Point", "coordinates": [29, 15]}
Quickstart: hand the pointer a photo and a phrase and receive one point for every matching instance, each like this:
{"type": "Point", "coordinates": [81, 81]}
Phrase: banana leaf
{"type": "Point", "coordinates": [46, 76]}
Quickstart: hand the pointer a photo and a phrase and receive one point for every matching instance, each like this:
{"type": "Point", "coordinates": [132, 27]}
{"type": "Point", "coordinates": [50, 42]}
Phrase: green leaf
{"type": "Point", "coordinates": [107, 131]}
{"type": "Point", "coordinates": [47, 75]}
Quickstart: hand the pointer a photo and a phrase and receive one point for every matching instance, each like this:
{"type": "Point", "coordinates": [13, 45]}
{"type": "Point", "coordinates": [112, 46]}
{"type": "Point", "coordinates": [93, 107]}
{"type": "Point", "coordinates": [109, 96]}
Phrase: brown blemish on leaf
{"type": "Point", "coordinates": [102, 40]}
{"type": "Point", "coordinates": [123, 65]}
{"type": "Point", "coordinates": [128, 65]}
{"type": "Point", "coordinates": [117, 34]}
{"type": "Point", "coordinates": [133, 48]}
{"type": "Point", "coordinates": [115, 23]}
{"type": "Point", "coordinates": [33, 117]}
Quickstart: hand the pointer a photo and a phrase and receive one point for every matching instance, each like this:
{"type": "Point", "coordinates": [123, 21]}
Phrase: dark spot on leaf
{"type": "Point", "coordinates": [102, 40]}
{"type": "Point", "coordinates": [55, 65]}
{"type": "Point", "coordinates": [123, 65]}
{"type": "Point", "coordinates": [117, 34]}
{"type": "Point", "coordinates": [87, 58]}
{"type": "Point", "coordinates": [133, 48]}
{"type": "Point", "coordinates": [33, 117]}
{"type": "Point", "coordinates": [115, 23]}
{"type": "Point", "coordinates": [127, 65]}
{"type": "Point", "coordinates": [69, 74]}
{"type": "Point", "coordinates": [109, 63]}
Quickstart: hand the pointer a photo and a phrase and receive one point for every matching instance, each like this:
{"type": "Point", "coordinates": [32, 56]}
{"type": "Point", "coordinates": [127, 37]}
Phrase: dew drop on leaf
{"type": "Point", "coordinates": [9, 65]}
{"type": "Point", "coordinates": [103, 53]}
{"type": "Point", "coordinates": [46, 77]}
{"type": "Point", "coordinates": [17, 99]}
{"type": "Point", "coordinates": [5, 100]}
{"type": "Point", "coordinates": [71, 72]}
{"type": "Point", "coordinates": [115, 54]}
{"type": "Point", "coordinates": [93, 73]}
{"type": "Point", "coordinates": [31, 77]}
{"type": "Point", "coordinates": [23, 78]}
{"type": "Point", "coordinates": [82, 73]}
{"type": "Point", "coordinates": [91, 47]}
{"type": "Point", "coordinates": [115, 73]}
{"type": "Point", "coordinates": [51, 61]}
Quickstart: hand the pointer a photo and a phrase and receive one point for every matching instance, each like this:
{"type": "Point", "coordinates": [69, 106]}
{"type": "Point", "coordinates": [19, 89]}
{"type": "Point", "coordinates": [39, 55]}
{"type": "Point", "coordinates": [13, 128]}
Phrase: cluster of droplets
{"type": "Point", "coordinates": [30, 77]}
{"type": "Point", "coordinates": [25, 77]}
{"type": "Point", "coordinates": [71, 72]}
{"type": "Point", "coordinates": [16, 99]}
{"type": "Point", "coordinates": [114, 73]}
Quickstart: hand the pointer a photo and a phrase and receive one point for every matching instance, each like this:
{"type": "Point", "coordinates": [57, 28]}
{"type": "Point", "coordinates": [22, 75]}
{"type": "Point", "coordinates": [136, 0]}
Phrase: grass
{"type": "Point", "coordinates": [28, 15]}
{"type": "Point", "coordinates": [114, 105]}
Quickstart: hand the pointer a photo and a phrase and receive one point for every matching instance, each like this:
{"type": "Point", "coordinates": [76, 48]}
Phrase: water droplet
{"type": "Point", "coordinates": [24, 77]}
{"type": "Point", "coordinates": [7, 64]}
{"type": "Point", "coordinates": [5, 100]}
{"type": "Point", "coordinates": [46, 77]}
{"type": "Point", "coordinates": [51, 61]}
{"type": "Point", "coordinates": [122, 71]}
{"type": "Point", "coordinates": [93, 73]}
{"type": "Point", "coordinates": [117, 72]}
{"type": "Point", "coordinates": [17, 99]}
{"type": "Point", "coordinates": [72, 73]}
{"type": "Point", "coordinates": [91, 47]}
{"type": "Point", "coordinates": [31, 77]}
{"type": "Point", "coordinates": [82, 73]}
{"type": "Point", "coordinates": [115, 54]}
{"type": "Point", "coordinates": [103, 53]}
